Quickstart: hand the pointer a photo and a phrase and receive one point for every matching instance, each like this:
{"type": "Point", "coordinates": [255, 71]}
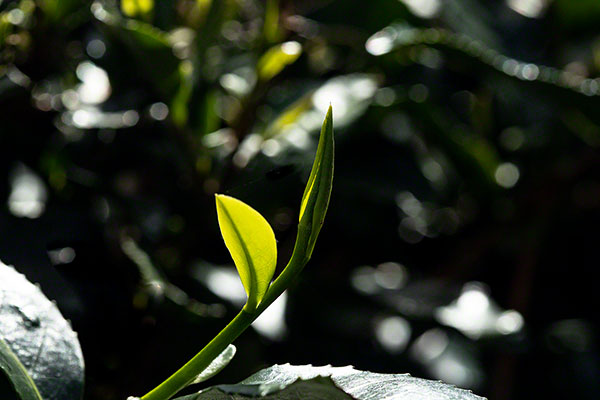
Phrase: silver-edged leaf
{"type": "Point", "coordinates": [34, 334]}
{"type": "Point", "coordinates": [216, 365]}
{"type": "Point", "coordinates": [288, 382]}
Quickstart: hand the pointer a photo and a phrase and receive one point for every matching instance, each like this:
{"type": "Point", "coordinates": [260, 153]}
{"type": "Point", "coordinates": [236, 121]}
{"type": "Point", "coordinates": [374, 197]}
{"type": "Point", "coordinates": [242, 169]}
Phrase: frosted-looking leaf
{"type": "Point", "coordinates": [333, 383]}
{"type": "Point", "coordinates": [36, 342]}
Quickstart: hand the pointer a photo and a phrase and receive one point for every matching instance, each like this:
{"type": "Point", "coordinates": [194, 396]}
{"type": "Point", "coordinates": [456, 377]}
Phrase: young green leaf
{"type": "Point", "coordinates": [251, 242]}
{"type": "Point", "coordinates": [252, 245]}
{"type": "Point", "coordinates": [318, 188]}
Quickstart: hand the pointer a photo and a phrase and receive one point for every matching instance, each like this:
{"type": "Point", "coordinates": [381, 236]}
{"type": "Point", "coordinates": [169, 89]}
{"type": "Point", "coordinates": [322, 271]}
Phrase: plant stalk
{"type": "Point", "coordinates": [239, 324]}
{"type": "Point", "coordinates": [312, 213]}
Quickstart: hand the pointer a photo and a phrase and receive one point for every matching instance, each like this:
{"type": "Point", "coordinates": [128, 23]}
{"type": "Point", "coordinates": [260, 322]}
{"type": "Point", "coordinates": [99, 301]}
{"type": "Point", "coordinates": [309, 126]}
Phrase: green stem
{"type": "Point", "coordinates": [239, 324]}
{"type": "Point", "coordinates": [200, 361]}
{"type": "Point", "coordinates": [290, 272]}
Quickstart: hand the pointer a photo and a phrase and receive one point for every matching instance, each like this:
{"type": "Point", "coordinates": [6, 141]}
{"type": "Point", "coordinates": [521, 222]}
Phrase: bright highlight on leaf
{"type": "Point", "coordinates": [132, 8]}
{"type": "Point", "coordinates": [216, 365]}
{"type": "Point", "coordinates": [277, 58]}
{"type": "Point", "coordinates": [252, 245]}
{"type": "Point", "coordinates": [332, 383]}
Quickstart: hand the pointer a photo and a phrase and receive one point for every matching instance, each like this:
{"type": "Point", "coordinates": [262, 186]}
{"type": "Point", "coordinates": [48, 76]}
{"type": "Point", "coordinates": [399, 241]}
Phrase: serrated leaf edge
{"type": "Point", "coordinates": [7, 354]}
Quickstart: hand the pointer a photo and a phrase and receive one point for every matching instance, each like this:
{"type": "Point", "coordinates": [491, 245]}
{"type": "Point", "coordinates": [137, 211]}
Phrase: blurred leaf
{"type": "Point", "coordinates": [36, 342]}
{"type": "Point", "coordinates": [217, 14]}
{"type": "Point", "coordinates": [289, 116]}
{"type": "Point", "coordinates": [252, 245]}
{"type": "Point", "coordinates": [216, 365]}
{"type": "Point", "coordinates": [55, 10]}
{"type": "Point", "coordinates": [473, 18]}
{"type": "Point", "coordinates": [149, 48]}
{"type": "Point", "coordinates": [462, 51]}
{"type": "Point", "coordinates": [580, 125]}
{"type": "Point", "coordinates": [473, 155]}
{"type": "Point", "coordinates": [133, 8]}
{"type": "Point", "coordinates": [473, 151]}
{"type": "Point", "coordinates": [157, 285]}
{"type": "Point", "coordinates": [577, 12]}
{"type": "Point", "coordinates": [277, 58]}
{"type": "Point", "coordinates": [306, 381]}
{"type": "Point", "coordinates": [350, 94]}
{"type": "Point", "coordinates": [208, 120]}
{"type": "Point", "coordinates": [271, 27]}
{"type": "Point", "coordinates": [203, 4]}
{"type": "Point", "coordinates": [179, 104]}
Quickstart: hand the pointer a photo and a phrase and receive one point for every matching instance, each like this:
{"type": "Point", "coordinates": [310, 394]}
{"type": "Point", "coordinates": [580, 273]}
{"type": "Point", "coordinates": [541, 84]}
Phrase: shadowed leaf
{"type": "Point", "coordinates": [39, 350]}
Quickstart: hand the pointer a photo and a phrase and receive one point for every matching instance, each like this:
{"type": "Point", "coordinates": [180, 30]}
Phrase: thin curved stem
{"type": "Point", "coordinates": [239, 324]}
{"type": "Point", "coordinates": [312, 213]}
{"type": "Point", "coordinates": [200, 361]}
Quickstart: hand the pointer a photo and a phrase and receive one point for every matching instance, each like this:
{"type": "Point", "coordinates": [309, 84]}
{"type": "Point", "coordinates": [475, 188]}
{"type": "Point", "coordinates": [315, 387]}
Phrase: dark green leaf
{"type": "Point", "coordinates": [148, 46]}
{"type": "Point", "coordinates": [57, 10]}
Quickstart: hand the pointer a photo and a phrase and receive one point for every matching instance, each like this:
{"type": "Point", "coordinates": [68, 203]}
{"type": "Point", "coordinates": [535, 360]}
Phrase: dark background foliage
{"type": "Point", "coordinates": [462, 233]}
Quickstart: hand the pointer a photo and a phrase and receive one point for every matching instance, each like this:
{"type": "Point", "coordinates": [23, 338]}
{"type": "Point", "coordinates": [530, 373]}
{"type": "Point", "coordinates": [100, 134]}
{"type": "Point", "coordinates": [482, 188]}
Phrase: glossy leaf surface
{"type": "Point", "coordinates": [252, 245]}
{"type": "Point", "coordinates": [309, 382]}
{"type": "Point", "coordinates": [34, 334]}
{"type": "Point", "coordinates": [217, 364]}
